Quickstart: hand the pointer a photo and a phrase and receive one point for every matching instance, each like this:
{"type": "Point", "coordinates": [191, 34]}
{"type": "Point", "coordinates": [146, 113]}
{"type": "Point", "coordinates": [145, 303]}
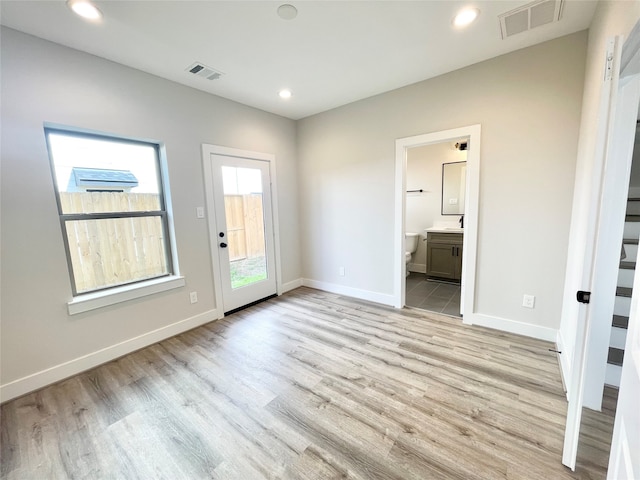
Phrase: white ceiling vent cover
{"type": "Point", "coordinates": [530, 16]}
{"type": "Point", "coordinates": [201, 70]}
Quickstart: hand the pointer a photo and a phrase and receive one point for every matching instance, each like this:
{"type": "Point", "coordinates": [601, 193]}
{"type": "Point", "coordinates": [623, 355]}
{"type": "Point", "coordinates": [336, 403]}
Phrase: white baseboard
{"type": "Point", "coordinates": [59, 372]}
{"type": "Point", "coordinates": [512, 326]}
{"type": "Point", "coordinates": [286, 287]}
{"type": "Point", "coordinates": [417, 267]}
{"type": "Point", "coordinates": [382, 298]}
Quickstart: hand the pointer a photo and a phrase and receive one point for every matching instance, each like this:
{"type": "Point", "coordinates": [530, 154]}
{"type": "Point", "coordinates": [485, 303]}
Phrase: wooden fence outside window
{"type": "Point", "coordinates": [108, 252]}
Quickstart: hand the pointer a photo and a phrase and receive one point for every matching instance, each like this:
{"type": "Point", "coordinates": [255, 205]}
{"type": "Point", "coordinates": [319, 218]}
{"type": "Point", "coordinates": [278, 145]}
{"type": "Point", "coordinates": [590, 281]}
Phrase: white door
{"type": "Point", "coordinates": [619, 110]}
{"type": "Point", "coordinates": [585, 314]}
{"type": "Point", "coordinates": [241, 227]}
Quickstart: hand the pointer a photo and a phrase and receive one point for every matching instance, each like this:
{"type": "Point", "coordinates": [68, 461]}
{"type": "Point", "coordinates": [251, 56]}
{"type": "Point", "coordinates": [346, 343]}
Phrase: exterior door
{"type": "Point", "coordinates": [241, 228]}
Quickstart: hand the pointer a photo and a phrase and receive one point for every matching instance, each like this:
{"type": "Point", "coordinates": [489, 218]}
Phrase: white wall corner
{"type": "Point", "coordinates": [292, 285]}
{"type": "Point", "coordinates": [383, 298]}
{"type": "Point", "coordinates": [78, 365]}
{"type": "Point", "coordinates": [512, 326]}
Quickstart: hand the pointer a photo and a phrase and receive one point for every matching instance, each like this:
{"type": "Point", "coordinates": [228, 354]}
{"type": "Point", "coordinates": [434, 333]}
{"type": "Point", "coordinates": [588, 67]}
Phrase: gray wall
{"type": "Point", "coordinates": [45, 82]}
{"type": "Point", "coordinates": [528, 103]}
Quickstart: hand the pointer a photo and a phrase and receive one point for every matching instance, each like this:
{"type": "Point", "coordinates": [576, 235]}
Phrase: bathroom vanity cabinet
{"type": "Point", "coordinates": [444, 255]}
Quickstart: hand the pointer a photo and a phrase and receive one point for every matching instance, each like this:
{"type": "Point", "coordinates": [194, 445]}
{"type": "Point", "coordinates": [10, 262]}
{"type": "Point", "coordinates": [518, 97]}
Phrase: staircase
{"type": "Point", "coordinates": [622, 306]}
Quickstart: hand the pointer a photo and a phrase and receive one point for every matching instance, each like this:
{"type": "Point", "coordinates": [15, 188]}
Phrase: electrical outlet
{"type": "Point", "coordinates": [341, 271]}
{"type": "Point", "coordinates": [193, 296]}
{"type": "Point", "coordinates": [528, 301]}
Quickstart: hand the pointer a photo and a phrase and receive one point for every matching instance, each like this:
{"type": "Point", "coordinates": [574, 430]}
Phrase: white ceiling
{"type": "Point", "coordinates": [331, 54]}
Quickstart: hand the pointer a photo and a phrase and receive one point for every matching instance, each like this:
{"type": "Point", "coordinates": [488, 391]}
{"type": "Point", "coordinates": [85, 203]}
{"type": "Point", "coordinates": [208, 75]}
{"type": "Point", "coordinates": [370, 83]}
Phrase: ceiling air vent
{"type": "Point", "coordinates": [530, 16]}
{"type": "Point", "coordinates": [203, 71]}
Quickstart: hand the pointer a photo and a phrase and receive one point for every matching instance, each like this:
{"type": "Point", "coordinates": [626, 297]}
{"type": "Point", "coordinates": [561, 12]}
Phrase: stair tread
{"type": "Point", "coordinates": [633, 199]}
{"type": "Point", "coordinates": [620, 321]}
{"type": "Point", "coordinates": [628, 265]}
{"type": "Point", "coordinates": [616, 356]}
{"type": "Point", "coordinates": [624, 292]}
{"type": "Point", "coordinates": [632, 218]}
{"type": "Point", "coordinates": [630, 241]}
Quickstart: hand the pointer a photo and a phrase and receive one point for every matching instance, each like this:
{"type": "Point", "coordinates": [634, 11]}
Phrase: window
{"type": "Point", "coordinates": [112, 209]}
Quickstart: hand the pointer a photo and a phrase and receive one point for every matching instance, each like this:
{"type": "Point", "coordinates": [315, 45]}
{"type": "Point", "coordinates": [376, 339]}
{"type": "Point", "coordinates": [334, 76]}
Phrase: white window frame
{"type": "Point", "coordinates": [86, 301]}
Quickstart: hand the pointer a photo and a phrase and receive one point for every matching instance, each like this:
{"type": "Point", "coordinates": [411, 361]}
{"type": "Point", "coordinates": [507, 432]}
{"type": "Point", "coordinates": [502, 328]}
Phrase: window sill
{"type": "Point", "coordinates": [91, 301]}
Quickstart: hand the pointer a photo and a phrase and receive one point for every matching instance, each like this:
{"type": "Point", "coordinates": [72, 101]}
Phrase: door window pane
{"type": "Point", "coordinates": [243, 203]}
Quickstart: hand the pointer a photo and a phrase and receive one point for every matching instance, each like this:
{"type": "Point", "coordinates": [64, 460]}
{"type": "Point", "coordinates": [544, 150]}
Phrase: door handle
{"type": "Point", "coordinates": [223, 245]}
{"type": "Point", "coordinates": [583, 297]}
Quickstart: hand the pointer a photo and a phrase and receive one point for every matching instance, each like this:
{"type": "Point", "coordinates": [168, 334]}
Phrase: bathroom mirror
{"type": "Point", "coordinates": [454, 183]}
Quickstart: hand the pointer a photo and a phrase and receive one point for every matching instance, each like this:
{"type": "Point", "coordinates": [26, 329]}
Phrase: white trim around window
{"type": "Point", "coordinates": [103, 298]}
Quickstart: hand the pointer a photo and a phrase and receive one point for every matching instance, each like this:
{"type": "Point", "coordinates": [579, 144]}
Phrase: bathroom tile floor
{"type": "Point", "coordinates": [431, 295]}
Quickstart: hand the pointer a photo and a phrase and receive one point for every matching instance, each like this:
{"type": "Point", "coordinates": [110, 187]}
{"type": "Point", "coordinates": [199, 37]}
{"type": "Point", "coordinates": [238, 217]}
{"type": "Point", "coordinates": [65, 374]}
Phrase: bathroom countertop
{"type": "Point", "coordinates": [445, 229]}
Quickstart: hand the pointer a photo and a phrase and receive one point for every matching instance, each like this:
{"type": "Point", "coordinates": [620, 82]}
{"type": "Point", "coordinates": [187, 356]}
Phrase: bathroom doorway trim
{"type": "Point", "coordinates": [470, 241]}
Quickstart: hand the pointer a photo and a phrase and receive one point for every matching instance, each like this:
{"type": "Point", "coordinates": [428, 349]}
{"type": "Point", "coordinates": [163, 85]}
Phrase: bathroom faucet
{"type": "Point", "coordinates": [461, 221]}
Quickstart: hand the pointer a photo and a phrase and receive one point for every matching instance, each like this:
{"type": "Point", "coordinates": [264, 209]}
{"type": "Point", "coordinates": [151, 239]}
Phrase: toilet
{"type": "Point", "coordinates": [410, 246]}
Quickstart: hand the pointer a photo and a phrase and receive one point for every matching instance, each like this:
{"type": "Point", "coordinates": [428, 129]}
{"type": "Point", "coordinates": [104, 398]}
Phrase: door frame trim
{"type": "Point", "coordinates": [207, 151]}
{"type": "Point", "coordinates": [470, 242]}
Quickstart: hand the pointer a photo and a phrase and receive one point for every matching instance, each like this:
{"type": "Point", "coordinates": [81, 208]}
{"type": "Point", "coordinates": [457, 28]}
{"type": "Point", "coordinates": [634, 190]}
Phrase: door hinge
{"type": "Point", "coordinates": [608, 63]}
{"type": "Point", "coordinates": [583, 297]}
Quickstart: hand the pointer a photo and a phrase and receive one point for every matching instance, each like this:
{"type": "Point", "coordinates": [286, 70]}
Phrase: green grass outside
{"type": "Point", "coordinates": [248, 271]}
{"type": "Point", "coordinates": [242, 281]}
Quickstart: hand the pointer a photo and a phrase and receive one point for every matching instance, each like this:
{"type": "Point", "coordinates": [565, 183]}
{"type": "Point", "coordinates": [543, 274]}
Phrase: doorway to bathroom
{"type": "Point", "coordinates": [434, 221]}
{"type": "Point", "coordinates": [433, 295]}
{"type": "Point", "coordinates": [429, 284]}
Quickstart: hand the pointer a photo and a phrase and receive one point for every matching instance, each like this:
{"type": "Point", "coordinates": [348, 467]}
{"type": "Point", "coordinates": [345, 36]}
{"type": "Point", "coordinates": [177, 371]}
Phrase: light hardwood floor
{"type": "Point", "coordinates": [309, 385]}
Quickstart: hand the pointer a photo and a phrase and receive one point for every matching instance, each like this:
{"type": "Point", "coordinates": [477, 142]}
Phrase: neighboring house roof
{"type": "Point", "coordinates": [97, 177]}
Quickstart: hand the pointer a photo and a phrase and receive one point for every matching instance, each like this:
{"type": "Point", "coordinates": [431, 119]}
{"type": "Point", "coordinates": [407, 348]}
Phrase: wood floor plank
{"type": "Point", "coordinates": [139, 451]}
{"type": "Point", "coordinates": [310, 385]}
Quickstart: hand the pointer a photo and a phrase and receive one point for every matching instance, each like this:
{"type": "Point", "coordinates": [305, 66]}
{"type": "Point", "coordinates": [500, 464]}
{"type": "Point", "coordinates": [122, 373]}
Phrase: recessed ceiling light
{"type": "Point", "coordinates": [287, 12]}
{"type": "Point", "coordinates": [465, 16]}
{"type": "Point", "coordinates": [285, 93]}
{"type": "Point", "coordinates": [85, 9]}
